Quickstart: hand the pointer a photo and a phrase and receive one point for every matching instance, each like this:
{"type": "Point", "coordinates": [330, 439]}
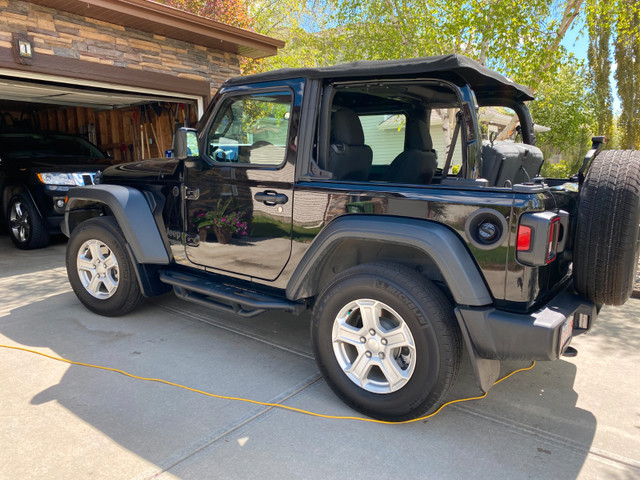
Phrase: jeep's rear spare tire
{"type": "Point", "coordinates": [606, 245]}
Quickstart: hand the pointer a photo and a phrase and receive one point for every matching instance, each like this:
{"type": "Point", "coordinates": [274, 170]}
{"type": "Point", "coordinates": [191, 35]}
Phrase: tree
{"type": "Point", "coordinates": [310, 40]}
{"type": "Point", "coordinates": [565, 106]}
{"type": "Point", "coordinates": [600, 66]}
{"type": "Point", "coordinates": [520, 39]}
{"type": "Point", "coordinates": [616, 21]}
{"type": "Point", "coordinates": [231, 12]}
{"type": "Point", "coordinates": [627, 55]}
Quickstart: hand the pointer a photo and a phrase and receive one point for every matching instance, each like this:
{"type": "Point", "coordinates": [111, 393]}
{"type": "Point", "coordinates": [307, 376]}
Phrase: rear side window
{"type": "Point", "coordinates": [251, 130]}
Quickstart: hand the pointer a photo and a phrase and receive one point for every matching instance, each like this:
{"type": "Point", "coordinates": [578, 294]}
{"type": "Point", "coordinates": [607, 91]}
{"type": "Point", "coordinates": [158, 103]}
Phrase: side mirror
{"type": "Point", "coordinates": [185, 143]}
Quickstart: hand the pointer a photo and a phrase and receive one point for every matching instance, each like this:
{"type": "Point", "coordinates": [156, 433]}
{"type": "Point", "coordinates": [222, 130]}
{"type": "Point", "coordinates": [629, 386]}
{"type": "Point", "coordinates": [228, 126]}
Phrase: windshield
{"type": "Point", "coordinates": [39, 145]}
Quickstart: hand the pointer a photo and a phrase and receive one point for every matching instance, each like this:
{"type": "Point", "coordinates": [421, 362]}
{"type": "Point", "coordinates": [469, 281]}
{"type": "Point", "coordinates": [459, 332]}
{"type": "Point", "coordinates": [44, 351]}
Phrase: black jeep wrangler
{"type": "Point", "coordinates": [333, 189]}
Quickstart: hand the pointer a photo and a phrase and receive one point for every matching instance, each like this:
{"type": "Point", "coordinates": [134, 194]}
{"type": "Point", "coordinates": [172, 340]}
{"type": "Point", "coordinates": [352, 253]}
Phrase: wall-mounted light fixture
{"type": "Point", "coordinates": [23, 48]}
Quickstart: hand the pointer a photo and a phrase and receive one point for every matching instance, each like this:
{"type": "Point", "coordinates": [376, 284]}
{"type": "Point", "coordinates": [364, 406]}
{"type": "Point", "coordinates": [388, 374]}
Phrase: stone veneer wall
{"type": "Point", "coordinates": [67, 35]}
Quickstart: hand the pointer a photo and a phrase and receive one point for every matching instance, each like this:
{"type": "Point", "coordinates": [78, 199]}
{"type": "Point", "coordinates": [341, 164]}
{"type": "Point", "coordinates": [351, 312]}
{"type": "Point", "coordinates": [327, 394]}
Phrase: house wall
{"type": "Point", "coordinates": [388, 142]}
{"type": "Point", "coordinates": [65, 35]}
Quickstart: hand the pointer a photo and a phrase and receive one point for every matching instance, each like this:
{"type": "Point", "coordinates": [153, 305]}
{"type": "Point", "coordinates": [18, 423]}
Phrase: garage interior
{"type": "Point", "coordinates": [124, 74]}
{"type": "Point", "coordinates": [127, 125]}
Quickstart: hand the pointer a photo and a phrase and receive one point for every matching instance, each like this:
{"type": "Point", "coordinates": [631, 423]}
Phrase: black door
{"type": "Point", "coordinates": [240, 200]}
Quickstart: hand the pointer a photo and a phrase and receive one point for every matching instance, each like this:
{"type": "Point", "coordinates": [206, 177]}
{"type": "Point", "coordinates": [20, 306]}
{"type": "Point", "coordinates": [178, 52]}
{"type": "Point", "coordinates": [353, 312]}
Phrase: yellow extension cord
{"type": "Point", "coordinates": [265, 404]}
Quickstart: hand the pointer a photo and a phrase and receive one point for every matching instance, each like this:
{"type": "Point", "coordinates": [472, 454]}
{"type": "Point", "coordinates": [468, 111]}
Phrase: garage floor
{"type": "Point", "coordinates": [574, 418]}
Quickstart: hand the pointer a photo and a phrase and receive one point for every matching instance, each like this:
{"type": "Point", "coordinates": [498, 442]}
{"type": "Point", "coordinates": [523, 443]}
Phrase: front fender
{"type": "Point", "coordinates": [440, 243]}
{"type": "Point", "coordinates": [133, 213]}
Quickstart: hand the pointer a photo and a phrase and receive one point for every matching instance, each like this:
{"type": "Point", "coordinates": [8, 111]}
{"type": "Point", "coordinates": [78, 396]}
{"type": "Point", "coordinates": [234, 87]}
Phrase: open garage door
{"type": "Point", "coordinates": [129, 123]}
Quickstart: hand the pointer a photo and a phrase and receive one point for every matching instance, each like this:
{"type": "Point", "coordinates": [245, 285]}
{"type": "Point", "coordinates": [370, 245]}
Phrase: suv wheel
{"type": "Point", "coordinates": [386, 341]}
{"type": "Point", "coordinates": [26, 227]}
{"type": "Point", "coordinates": [100, 270]}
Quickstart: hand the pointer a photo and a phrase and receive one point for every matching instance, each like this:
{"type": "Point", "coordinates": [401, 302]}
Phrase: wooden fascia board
{"type": "Point", "coordinates": [170, 22]}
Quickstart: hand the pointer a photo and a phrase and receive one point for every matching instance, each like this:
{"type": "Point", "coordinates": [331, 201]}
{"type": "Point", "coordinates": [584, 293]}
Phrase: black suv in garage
{"type": "Point", "coordinates": [37, 169]}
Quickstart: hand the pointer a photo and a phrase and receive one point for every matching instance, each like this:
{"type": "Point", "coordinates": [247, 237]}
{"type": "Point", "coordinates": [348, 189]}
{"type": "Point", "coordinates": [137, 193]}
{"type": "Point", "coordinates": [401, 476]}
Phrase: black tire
{"type": "Point", "coordinates": [100, 270]}
{"type": "Point", "coordinates": [427, 370]}
{"type": "Point", "coordinates": [606, 247]}
{"type": "Point", "coordinates": [26, 227]}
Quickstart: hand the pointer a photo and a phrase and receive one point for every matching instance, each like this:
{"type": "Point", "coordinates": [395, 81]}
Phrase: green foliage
{"type": "Point", "coordinates": [565, 106]}
{"type": "Point", "coordinates": [520, 39]}
{"type": "Point", "coordinates": [561, 169]}
{"type": "Point", "coordinates": [616, 21]}
{"type": "Point", "coordinates": [600, 66]}
{"type": "Point", "coordinates": [306, 27]}
{"type": "Point", "coordinates": [627, 55]}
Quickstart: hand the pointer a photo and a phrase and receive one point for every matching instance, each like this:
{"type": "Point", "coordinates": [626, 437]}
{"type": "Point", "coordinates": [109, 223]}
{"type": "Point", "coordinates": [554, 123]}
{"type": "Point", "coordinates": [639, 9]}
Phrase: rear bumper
{"type": "Point", "coordinates": [499, 335]}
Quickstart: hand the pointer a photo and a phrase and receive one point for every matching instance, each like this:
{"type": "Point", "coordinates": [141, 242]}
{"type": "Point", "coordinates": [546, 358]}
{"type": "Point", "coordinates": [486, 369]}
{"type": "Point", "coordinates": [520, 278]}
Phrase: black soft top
{"type": "Point", "coordinates": [485, 82]}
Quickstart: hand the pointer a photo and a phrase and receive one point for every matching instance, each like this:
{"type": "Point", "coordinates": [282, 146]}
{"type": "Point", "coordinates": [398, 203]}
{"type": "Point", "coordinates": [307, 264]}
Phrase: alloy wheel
{"type": "Point", "coordinates": [374, 346]}
{"type": "Point", "coordinates": [98, 269]}
{"type": "Point", "coordinates": [19, 222]}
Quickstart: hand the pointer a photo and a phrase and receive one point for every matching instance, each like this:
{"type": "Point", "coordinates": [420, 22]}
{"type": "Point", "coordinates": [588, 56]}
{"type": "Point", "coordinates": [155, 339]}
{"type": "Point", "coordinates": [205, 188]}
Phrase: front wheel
{"type": "Point", "coordinates": [27, 229]}
{"type": "Point", "coordinates": [100, 270]}
{"type": "Point", "coordinates": [386, 341]}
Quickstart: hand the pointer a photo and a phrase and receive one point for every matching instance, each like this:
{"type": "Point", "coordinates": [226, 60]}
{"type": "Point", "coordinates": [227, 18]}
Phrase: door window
{"type": "Point", "coordinates": [251, 130]}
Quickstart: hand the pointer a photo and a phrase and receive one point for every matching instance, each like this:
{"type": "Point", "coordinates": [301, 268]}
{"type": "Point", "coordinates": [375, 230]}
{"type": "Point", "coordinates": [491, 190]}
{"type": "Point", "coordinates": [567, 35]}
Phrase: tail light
{"type": "Point", "coordinates": [524, 239]}
{"type": "Point", "coordinates": [552, 244]}
{"type": "Point", "coordinates": [541, 236]}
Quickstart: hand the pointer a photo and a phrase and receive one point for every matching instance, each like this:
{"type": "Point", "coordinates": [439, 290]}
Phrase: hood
{"type": "Point", "coordinates": [152, 169]}
{"type": "Point", "coordinates": [59, 164]}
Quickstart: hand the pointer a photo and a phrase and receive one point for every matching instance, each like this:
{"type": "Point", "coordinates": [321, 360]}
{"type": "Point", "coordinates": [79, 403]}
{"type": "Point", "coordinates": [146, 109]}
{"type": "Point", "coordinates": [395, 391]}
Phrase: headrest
{"type": "Point", "coordinates": [417, 136]}
{"type": "Point", "coordinates": [346, 128]}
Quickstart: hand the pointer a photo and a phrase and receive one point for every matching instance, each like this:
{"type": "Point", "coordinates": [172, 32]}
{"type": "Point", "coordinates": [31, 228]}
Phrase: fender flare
{"type": "Point", "coordinates": [133, 213]}
{"type": "Point", "coordinates": [442, 244]}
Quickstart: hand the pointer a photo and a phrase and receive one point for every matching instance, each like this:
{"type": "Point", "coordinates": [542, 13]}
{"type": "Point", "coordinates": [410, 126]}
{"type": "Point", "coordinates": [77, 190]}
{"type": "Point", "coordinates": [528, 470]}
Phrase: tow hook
{"type": "Point", "coordinates": [570, 352]}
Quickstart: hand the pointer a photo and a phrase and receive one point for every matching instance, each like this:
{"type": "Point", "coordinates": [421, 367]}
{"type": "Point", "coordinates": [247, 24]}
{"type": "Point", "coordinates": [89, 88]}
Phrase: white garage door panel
{"type": "Point", "coordinates": [48, 90]}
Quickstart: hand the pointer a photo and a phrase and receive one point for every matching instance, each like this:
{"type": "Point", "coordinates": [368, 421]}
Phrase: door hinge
{"type": "Point", "coordinates": [191, 193]}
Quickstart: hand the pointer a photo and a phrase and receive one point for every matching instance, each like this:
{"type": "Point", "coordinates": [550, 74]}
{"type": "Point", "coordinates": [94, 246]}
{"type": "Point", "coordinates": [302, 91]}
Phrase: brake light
{"type": "Point", "coordinates": [552, 244]}
{"type": "Point", "coordinates": [540, 237]}
{"type": "Point", "coordinates": [524, 238]}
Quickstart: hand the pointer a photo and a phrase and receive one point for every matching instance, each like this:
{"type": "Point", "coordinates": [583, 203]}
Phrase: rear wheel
{"type": "Point", "coordinates": [26, 227]}
{"type": "Point", "coordinates": [386, 341]}
{"type": "Point", "coordinates": [100, 270]}
{"type": "Point", "coordinates": [608, 233]}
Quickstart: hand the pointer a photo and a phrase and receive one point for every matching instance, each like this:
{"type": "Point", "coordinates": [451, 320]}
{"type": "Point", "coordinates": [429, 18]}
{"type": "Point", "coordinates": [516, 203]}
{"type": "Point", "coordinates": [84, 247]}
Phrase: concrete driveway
{"type": "Point", "coordinates": [573, 418]}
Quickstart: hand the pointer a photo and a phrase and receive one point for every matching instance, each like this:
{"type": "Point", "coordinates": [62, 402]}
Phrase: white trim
{"type": "Point", "coordinates": [107, 86]}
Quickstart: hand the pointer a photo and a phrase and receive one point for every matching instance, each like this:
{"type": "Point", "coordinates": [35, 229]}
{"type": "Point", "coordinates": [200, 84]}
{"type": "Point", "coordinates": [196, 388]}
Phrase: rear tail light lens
{"type": "Point", "coordinates": [524, 238]}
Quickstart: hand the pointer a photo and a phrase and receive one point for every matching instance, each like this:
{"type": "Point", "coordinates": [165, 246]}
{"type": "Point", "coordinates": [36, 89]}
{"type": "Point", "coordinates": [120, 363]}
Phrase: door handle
{"type": "Point", "coordinates": [271, 198]}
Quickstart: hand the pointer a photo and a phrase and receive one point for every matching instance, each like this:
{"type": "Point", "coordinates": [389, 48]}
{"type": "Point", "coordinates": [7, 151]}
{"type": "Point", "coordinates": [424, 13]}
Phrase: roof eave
{"type": "Point", "coordinates": [170, 22]}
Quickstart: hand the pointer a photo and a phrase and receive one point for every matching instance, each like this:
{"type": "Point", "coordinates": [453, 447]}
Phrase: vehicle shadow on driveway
{"type": "Point", "coordinates": [528, 426]}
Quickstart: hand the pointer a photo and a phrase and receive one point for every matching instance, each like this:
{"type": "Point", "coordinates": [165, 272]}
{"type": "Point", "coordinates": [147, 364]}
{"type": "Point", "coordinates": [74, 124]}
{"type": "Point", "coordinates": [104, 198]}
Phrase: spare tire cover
{"type": "Point", "coordinates": [606, 242]}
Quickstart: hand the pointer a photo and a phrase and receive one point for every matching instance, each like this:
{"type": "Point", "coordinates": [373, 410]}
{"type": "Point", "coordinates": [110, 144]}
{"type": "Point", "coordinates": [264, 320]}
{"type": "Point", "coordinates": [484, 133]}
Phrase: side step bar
{"type": "Point", "coordinates": [212, 294]}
